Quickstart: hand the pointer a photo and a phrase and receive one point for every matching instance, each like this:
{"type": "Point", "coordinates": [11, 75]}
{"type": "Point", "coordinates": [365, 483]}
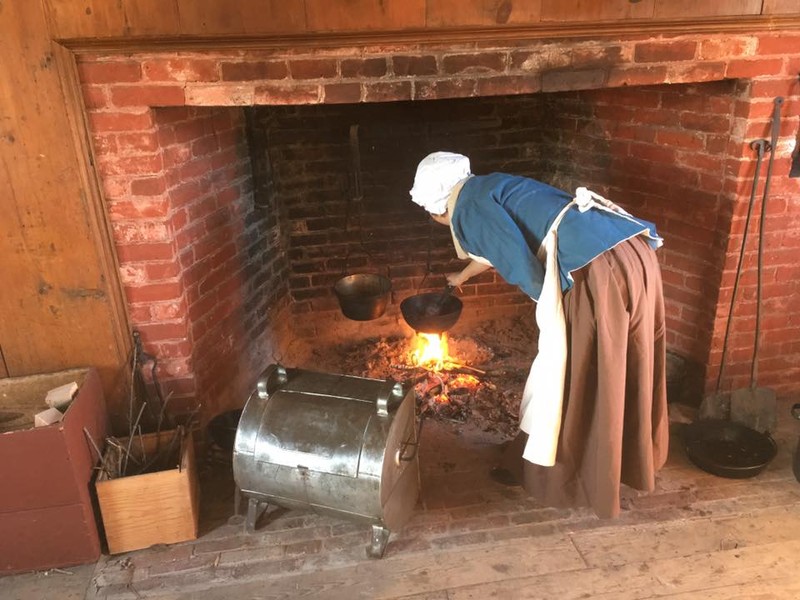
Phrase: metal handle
{"type": "Point", "coordinates": [400, 454]}
{"type": "Point", "coordinates": [270, 379]}
{"type": "Point", "coordinates": [391, 389]}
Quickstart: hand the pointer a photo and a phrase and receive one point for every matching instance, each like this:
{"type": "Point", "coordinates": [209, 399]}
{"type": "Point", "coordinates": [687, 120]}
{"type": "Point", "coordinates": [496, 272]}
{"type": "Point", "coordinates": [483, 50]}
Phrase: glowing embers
{"type": "Point", "coordinates": [443, 387]}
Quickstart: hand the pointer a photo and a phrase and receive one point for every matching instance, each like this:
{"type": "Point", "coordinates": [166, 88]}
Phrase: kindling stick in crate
{"type": "Point", "coordinates": [150, 471]}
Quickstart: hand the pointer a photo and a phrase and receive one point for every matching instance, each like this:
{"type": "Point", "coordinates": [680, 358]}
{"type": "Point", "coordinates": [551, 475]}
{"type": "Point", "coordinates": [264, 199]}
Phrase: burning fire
{"type": "Point", "coordinates": [441, 386]}
{"type": "Point", "coordinates": [430, 351]}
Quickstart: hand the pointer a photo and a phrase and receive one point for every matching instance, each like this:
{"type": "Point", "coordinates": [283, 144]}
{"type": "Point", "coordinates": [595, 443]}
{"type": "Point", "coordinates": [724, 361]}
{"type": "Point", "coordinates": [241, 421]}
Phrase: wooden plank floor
{"type": "Point", "coordinates": [696, 537]}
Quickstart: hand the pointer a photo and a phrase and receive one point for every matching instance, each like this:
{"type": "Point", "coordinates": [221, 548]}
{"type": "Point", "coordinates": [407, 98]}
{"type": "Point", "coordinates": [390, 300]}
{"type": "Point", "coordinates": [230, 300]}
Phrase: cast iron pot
{"type": "Point", "coordinates": [432, 312]}
{"type": "Point", "coordinates": [728, 449]}
{"type": "Point", "coordinates": [363, 296]}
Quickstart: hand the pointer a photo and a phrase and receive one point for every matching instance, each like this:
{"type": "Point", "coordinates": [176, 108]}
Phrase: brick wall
{"type": "Point", "coordinates": [660, 152]}
{"type": "Point", "coordinates": [121, 91]}
{"type": "Point", "coordinates": [203, 270]}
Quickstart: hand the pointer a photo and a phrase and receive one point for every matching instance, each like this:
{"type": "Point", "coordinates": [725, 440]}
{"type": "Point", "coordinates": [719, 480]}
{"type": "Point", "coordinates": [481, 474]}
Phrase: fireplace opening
{"type": "Point", "coordinates": [232, 241]}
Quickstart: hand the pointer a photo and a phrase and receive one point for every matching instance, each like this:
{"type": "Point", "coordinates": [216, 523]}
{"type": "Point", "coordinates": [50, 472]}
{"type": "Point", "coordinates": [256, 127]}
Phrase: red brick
{"type": "Point", "coordinates": [321, 68]}
{"type": "Point", "coordinates": [136, 165]}
{"type": "Point", "coordinates": [150, 186]}
{"type": "Point", "coordinates": [664, 51]}
{"type": "Point", "coordinates": [103, 122]}
{"type": "Point", "coordinates": [791, 66]}
{"type": "Point", "coordinates": [508, 85]}
{"type": "Point", "coordinates": [219, 95]}
{"type": "Point", "coordinates": [180, 69]}
{"type": "Point", "coordinates": [179, 219]}
{"type": "Point", "coordinates": [636, 97]}
{"type": "Point", "coordinates": [200, 210]}
{"type": "Point", "coordinates": [773, 87]}
{"type": "Point", "coordinates": [140, 231]}
{"type": "Point", "coordinates": [95, 96]}
{"type": "Point", "coordinates": [363, 67]}
{"type": "Point", "coordinates": [174, 156]}
{"type": "Point", "coordinates": [474, 63]}
{"type": "Point", "coordinates": [144, 141]}
{"type": "Point", "coordinates": [189, 236]}
{"type": "Point", "coordinates": [174, 349]}
{"type": "Point", "coordinates": [156, 332]}
{"type": "Point", "coordinates": [174, 114]}
{"type": "Point", "coordinates": [211, 281]}
{"type": "Point", "coordinates": [680, 139]}
{"type": "Point", "coordinates": [337, 93]}
{"type": "Point", "coordinates": [710, 183]}
{"type": "Point", "coordinates": [723, 48]}
{"type": "Point", "coordinates": [205, 146]}
{"type": "Point", "coordinates": [138, 209]}
{"type": "Point", "coordinates": [188, 131]}
{"type": "Point", "coordinates": [186, 192]}
{"type": "Point", "coordinates": [156, 292]}
{"type": "Point", "coordinates": [162, 270]}
{"type": "Point", "coordinates": [194, 169]}
{"type": "Point", "coordinates": [707, 123]}
{"type": "Point", "coordinates": [695, 72]}
{"type": "Point", "coordinates": [110, 72]}
{"type": "Point", "coordinates": [228, 195]}
{"type": "Point", "coordinates": [623, 131]}
{"type": "Point", "coordinates": [618, 77]}
{"type": "Point", "coordinates": [783, 44]}
{"type": "Point", "coordinates": [597, 56]}
{"type": "Point", "coordinates": [200, 308]}
{"type": "Point", "coordinates": [700, 161]}
{"type": "Point", "coordinates": [145, 252]}
{"type": "Point", "coordinates": [567, 79]}
{"type": "Point", "coordinates": [415, 66]}
{"type": "Point", "coordinates": [287, 94]}
{"type": "Point", "coordinates": [754, 68]}
{"type": "Point", "coordinates": [719, 106]}
{"type": "Point", "coordinates": [139, 313]}
{"type": "Point", "coordinates": [716, 144]}
{"type": "Point", "coordinates": [147, 95]}
{"type": "Point", "coordinates": [448, 88]}
{"type": "Point", "coordinates": [105, 144]}
{"type": "Point", "coordinates": [209, 245]}
{"type": "Point", "coordinates": [254, 71]}
{"type": "Point", "coordinates": [652, 152]}
{"type": "Point", "coordinates": [758, 129]}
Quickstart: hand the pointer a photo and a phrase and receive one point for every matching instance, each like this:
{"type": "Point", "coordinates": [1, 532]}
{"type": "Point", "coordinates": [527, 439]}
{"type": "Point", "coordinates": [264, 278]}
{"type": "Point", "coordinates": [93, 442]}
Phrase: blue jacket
{"type": "Point", "coordinates": [504, 219]}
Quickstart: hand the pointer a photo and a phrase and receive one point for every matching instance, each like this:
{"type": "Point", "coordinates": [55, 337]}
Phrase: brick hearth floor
{"type": "Point", "coordinates": [698, 536]}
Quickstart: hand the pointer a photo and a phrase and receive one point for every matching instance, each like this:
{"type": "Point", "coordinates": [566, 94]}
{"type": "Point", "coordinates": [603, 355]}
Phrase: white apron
{"type": "Point", "coordinates": [543, 396]}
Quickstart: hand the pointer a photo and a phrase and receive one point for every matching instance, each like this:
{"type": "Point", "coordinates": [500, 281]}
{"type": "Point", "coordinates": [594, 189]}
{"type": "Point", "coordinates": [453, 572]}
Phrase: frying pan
{"type": "Point", "coordinates": [432, 312]}
{"type": "Point", "coordinates": [728, 449]}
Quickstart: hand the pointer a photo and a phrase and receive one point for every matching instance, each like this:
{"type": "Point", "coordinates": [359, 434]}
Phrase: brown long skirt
{"type": "Point", "coordinates": [615, 425]}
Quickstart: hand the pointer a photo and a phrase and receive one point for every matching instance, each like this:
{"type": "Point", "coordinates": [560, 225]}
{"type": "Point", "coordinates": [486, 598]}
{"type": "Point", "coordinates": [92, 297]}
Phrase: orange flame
{"type": "Point", "coordinates": [430, 351]}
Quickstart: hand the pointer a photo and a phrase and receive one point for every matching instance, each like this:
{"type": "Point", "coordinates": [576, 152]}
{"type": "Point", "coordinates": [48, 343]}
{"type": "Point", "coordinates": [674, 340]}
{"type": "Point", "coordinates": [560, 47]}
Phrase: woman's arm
{"type": "Point", "coordinates": [472, 269]}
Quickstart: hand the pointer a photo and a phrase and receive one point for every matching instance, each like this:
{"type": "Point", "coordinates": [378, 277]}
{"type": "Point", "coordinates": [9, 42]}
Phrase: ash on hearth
{"type": "Point", "coordinates": [478, 380]}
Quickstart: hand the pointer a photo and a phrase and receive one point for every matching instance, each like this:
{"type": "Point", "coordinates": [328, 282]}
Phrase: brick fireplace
{"type": "Point", "coordinates": [228, 184]}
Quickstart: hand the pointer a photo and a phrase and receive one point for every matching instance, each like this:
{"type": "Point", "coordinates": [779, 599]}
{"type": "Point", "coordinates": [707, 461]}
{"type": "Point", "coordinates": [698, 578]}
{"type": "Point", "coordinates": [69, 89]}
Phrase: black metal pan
{"type": "Point", "coordinates": [432, 312]}
{"type": "Point", "coordinates": [728, 449]}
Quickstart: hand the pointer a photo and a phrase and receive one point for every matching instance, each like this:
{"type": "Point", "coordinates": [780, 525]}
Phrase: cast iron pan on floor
{"type": "Point", "coordinates": [728, 449]}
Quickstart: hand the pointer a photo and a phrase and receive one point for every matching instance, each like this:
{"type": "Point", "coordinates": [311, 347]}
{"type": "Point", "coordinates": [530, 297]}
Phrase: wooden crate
{"type": "Point", "coordinates": [46, 514]}
{"type": "Point", "coordinates": [153, 508]}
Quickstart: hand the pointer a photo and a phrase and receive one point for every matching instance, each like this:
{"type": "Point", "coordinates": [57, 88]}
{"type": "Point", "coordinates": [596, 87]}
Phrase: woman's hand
{"type": "Point", "coordinates": [454, 279]}
{"type": "Point", "coordinates": [473, 268]}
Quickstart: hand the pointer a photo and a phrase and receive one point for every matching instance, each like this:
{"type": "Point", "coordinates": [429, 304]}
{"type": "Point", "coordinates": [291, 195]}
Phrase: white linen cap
{"type": "Point", "coordinates": [436, 176]}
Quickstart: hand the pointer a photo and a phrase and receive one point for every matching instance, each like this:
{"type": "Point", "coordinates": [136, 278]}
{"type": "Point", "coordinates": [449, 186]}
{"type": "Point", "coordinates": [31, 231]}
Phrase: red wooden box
{"type": "Point", "coordinates": [46, 514]}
